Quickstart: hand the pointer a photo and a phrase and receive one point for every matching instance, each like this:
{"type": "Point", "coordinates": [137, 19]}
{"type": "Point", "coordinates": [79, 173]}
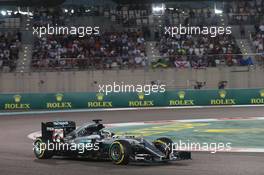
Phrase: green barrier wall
{"type": "Point", "coordinates": [118, 100]}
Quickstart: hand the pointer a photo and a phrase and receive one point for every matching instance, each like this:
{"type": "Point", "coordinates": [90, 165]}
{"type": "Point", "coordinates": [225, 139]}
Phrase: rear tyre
{"type": "Point", "coordinates": [164, 144]}
{"type": "Point", "coordinates": [41, 151]}
{"type": "Point", "coordinates": [119, 152]}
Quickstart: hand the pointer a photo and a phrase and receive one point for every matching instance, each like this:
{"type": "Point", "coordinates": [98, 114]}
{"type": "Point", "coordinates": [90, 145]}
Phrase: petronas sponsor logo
{"type": "Point", "coordinates": [181, 101]}
{"type": "Point", "coordinates": [141, 102]}
{"type": "Point", "coordinates": [16, 104]}
{"type": "Point", "coordinates": [222, 99]}
{"type": "Point", "coordinates": [59, 104]}
{"type": "Point", "coordinates": [99, 102]}
{"type": "Point", "coordinates": [260, 99]}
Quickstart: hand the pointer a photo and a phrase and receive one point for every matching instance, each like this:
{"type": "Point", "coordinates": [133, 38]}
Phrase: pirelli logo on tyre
{"type": "Point", "coordinates": [16, 103]}
{"type": "Point", "coordinates": [222, 99]}
{"type": "Point", "coordinates": [259, 99]}
{"type": "Point", "coordinates": [181, 100]}
{"type": "Point", "coordinates": [59, 103]}
{"type": "Point", "coordinates": [141, 102]}
{"type": "Point", "coordinates": [99, 102]}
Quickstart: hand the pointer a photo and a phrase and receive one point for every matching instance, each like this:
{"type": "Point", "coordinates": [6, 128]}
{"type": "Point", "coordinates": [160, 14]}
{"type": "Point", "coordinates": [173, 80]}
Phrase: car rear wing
{"type": "Point", "coordinates": [56, 130]}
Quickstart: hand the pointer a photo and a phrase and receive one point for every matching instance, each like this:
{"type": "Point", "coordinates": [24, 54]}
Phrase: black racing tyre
{"type": "Point", "coordinates": [164, 144]}
{"type": "Point", "coordinates": [41, 151]}
{"type": "Point", "coordinates": [119, 152]}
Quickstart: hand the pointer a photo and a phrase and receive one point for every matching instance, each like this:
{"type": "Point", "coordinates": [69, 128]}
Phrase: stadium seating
{"type": "Point", "coordinates": [9, 50]}
{"type": "Point", "coordinates": [198, 51]}
{"type": "Point", "coordinates": [257, 39]}
{"type": "Point", "coordinates": [107, 51]}
{"type": "Point", "coordinates": [245, 12]}
{"type": "Point", "coordinates": [127, 48]}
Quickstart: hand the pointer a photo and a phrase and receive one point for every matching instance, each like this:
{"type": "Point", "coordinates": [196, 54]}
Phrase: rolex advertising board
{"type": "Point", "coordinates": [53, 101]}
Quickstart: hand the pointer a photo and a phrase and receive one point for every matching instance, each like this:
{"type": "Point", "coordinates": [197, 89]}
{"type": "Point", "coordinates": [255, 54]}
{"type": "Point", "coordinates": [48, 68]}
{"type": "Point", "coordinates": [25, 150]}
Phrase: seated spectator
{"type": "Point", "coordinates": [258, 42]}
{"type": "Point", "coordinates": [197, 51]}
{"type": "Point", "coordinates": [107, 51]}
{"type": "Point", "coordinates": [9, 50]}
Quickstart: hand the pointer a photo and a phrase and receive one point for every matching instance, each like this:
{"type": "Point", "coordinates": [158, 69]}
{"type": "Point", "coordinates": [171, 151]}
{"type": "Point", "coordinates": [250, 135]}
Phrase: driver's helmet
{"type": "Point", "coordinates": [106, 133]}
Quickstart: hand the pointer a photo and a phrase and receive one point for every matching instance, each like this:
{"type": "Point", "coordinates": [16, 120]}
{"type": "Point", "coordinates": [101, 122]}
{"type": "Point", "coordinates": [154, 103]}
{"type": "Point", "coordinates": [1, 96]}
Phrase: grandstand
{"type": "Point", "coordinates": [107, 51]}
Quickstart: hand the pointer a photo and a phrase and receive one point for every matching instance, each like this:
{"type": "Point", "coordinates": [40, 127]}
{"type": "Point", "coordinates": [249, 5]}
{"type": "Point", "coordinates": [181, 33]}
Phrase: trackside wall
{"type": "Point", "coordinates": [53, 101]}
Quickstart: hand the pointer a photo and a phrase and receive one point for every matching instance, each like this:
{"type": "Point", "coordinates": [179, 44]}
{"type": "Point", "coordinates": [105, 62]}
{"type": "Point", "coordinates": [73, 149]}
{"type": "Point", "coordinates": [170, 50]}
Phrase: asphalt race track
{"type": "Point", "coordinates": [16, 155]}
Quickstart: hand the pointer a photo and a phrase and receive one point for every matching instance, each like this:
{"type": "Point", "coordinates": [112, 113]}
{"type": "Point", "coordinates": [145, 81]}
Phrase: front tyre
{"type": "Point", "coordinates": [41, 151]}
{"type": "Point", "coordinates": [164, 144]}
{"type": "Point", "coordinates": [119, 152]}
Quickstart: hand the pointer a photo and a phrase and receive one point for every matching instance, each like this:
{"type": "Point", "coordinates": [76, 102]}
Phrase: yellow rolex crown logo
{"type": "Point", "coordinates": [141, 96]}
{"type": "Point", "coordinates": [181, 94]}
{"type": "Point", "coordinates": [59, 97]}
{"type": "Point", "coordinates": [100, 96]}
{"type": "Point", "coordinates": [17, 98]}
{"type": "Point", "coordinates": [222, 93]}
{"type": "Point", "coordinates": [261, 93]}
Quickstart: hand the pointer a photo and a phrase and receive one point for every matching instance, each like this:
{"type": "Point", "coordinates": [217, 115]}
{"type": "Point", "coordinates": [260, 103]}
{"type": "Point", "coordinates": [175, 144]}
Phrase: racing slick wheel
{"type": "Point", "coordinates": [41, 151]}
{"type": "Point", "coordinates": [164, 144]}
{"type": "Point", "coordinates": [119, 152]}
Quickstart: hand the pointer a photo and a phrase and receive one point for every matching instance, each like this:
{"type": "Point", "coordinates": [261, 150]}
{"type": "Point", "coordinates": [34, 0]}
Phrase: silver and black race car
{"type": "Point", "coordinates": [94, 141]}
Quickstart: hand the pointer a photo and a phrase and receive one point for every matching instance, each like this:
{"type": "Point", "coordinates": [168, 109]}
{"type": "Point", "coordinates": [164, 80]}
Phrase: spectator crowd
{"type": "Point", "coordinates": [9, 50]}
{"type": "Point", "coordinates": [258, 41]}
{"type": "Point", "coordinates": [128, 48]}
{"type": "Point", "coordinates": [105, 51]}
{"type": "Point", "coordinates": [198, 51]}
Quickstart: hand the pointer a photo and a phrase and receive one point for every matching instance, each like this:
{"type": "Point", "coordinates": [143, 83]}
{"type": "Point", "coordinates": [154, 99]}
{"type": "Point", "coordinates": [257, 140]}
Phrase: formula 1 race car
{"type": "Point", "coordinates": [93, 141]}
